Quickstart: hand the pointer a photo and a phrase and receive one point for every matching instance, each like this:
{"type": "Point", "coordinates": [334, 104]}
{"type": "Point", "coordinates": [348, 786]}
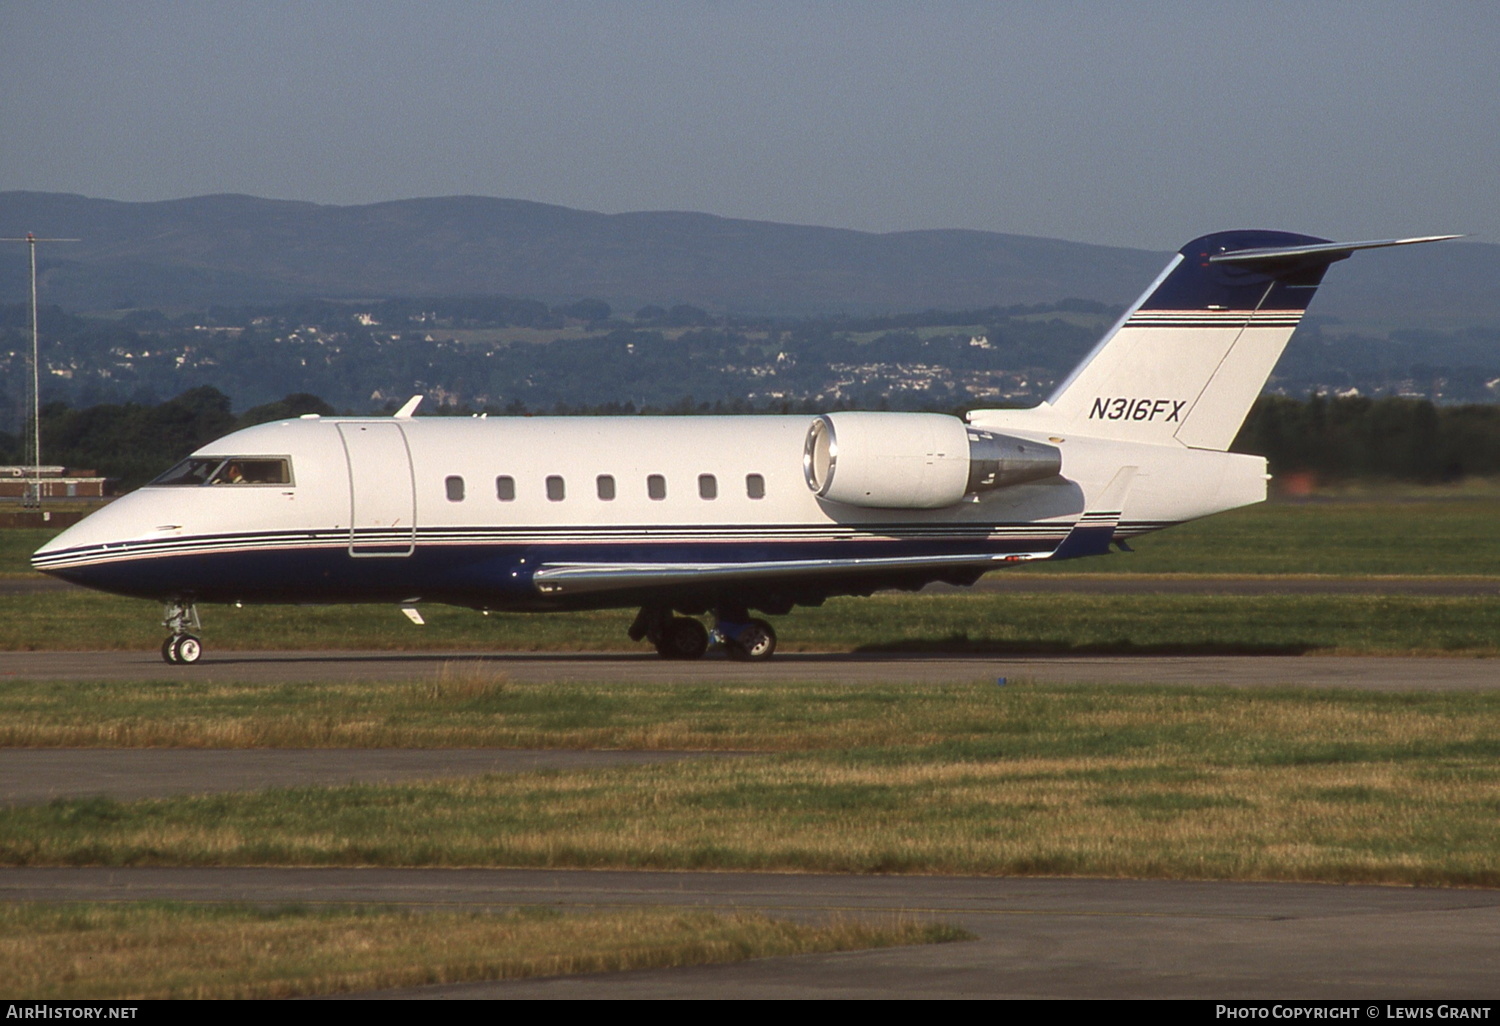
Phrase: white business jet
{"type": "Point", "coordinates": [686, 516]}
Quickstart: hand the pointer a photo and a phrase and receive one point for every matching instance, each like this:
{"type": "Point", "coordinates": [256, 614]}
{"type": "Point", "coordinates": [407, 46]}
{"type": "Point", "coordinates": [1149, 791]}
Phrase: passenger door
{"type": "Point", "coordinates": [382, 491]}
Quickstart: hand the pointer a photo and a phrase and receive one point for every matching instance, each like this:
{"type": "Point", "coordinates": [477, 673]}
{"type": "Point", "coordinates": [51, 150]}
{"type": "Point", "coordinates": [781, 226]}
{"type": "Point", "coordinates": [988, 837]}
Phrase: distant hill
{"type": "Point", "coordinates": [240, 249]}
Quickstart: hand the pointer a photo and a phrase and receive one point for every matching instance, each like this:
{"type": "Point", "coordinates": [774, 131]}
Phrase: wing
{"type": "Point", "coordinates": [1090, 535]}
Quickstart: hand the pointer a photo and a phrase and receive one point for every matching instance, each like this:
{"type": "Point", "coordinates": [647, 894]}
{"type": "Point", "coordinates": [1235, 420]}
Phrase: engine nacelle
{"type": "Point", "coordinates": [915, 460]}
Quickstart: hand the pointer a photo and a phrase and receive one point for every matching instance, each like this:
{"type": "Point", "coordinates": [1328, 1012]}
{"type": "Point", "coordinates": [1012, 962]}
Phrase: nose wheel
{"type": "Point", "coordinates": [183, 646]}
{"type": "Point", "coordinates": [182, 649]}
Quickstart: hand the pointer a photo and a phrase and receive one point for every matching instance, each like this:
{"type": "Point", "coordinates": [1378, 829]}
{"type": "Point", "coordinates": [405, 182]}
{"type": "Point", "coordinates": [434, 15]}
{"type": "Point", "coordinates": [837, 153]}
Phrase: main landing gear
{"type": "Point", "coordinates": [184, 645]}
{"type": "Point", "coordinates": [744, 638]}
{"type": "Point", "coordinates": [750, 641]}
{"type": "Point", "coordinates": [681, 637]}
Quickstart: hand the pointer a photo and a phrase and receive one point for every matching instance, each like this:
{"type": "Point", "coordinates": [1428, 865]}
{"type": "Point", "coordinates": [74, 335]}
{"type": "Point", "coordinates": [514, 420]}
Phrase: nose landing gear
{"type": "Point", "coordinates": [183, 646]}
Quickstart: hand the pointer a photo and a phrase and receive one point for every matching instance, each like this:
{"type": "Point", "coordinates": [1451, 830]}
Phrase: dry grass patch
{"type": "Point", "coordinates": [152, 951]}
{"type": "Point", "coordinates": [472, 704]}
{"type": "Point", "coordinates": [1114, 781]}
{"type": "Point", "coordinates": [1140, 816]}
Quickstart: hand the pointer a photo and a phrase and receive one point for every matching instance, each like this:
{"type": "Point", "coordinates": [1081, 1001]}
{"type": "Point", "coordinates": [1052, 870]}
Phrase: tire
{"type": "Point", "coordinates": [186, 649]}
{"type": "Point", "coordinates": [756, 644]}
{"type": "Point", "coordinates": [169, 649]}
{"type": "Point", "coordinates": [682, 638]}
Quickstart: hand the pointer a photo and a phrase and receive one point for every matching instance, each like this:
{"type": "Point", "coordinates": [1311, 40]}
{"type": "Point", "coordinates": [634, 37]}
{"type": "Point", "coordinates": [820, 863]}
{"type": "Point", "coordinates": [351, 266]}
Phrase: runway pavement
{"type": "Point", "coordinates": [1036, 938]}
{"type": "Point", "coordinates": [30, 775]}
{"type": "Point", "coordinates": [1372, 673]}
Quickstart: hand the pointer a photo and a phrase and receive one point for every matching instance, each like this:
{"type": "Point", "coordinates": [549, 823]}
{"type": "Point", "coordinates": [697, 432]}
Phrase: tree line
{"type": "Point", "coordinates": [1397, 438]}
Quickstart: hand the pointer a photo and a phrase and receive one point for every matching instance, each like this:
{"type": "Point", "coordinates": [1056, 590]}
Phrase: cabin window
{"type": "Point", "coordinates": [455, 486]}
{"type": "Point", "coordinates": [505, 489]}
{"type": "Point", "coordinates": [755, 486]}
{"type": "Point", "coordinates": [555, 490]}
{"type": "Point", "coordinates": [656, 487]}
{"type": "Point", "coordinates": [708, 488]}
{"type": "Point", "coordinates": [606, 487]}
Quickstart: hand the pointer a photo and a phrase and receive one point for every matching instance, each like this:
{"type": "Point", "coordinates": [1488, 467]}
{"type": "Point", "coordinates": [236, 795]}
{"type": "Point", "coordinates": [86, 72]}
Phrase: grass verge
{"type": "Point", "coordinates": [1410, 535]}
{"type": "Point", "coordinates": [161, 950]}
{"type": "Point", "coordinates": [973, 622]}
{"type": "Point", "coordinates": [1102, 781]}
{"type": "Point", "coordinates": [471, 705]}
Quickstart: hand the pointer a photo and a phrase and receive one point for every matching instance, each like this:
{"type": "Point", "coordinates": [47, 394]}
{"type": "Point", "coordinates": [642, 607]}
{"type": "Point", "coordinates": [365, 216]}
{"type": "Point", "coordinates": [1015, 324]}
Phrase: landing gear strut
{"type": "Point", "coordinates": [184, 645]}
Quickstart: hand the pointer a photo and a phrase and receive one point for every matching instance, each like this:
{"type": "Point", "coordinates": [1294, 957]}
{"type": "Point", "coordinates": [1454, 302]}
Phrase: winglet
{"type": "Point", "coordinates": [1095, 530]}
{"type": "Point", "coordinates": [406, 412]}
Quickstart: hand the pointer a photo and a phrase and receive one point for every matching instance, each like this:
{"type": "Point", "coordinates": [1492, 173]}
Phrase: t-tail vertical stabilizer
{"type": "Point", "coordinates": [1186, 362]}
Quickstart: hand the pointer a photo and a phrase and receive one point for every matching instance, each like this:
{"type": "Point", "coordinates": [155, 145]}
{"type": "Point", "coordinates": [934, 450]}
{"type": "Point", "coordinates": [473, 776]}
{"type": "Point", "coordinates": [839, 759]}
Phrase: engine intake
{"type": "Point", "coordinates": [915, 460]}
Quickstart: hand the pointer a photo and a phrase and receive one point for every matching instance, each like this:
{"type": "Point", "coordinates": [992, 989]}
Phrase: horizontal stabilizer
{"type": "Point", "coordinates": [1325, 252]}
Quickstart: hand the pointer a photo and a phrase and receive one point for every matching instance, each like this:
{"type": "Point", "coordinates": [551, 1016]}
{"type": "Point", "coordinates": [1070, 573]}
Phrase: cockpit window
{"type": "Point", "coordinates": [232, 470]}
{"type": "Point", "coordinates": [192, 471]}
{"type": "Point", "coordinates": [256, 470]}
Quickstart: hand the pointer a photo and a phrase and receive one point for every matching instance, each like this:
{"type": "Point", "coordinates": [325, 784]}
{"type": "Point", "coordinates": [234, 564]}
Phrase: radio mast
{"type": "Point", "coordinates": [33, 495]}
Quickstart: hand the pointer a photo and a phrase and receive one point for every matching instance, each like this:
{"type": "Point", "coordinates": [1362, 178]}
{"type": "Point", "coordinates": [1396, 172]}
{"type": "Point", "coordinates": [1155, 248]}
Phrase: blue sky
{"type": "Point", "coordinates": [1124, 124]}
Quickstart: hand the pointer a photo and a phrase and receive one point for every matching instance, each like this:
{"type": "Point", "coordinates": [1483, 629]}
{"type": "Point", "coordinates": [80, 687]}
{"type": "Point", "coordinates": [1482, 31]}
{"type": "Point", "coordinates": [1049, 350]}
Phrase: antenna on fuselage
{"type": "Point", "coordinates": [406, 412]}
{"type": "Point", "coordinates": [33, 496]}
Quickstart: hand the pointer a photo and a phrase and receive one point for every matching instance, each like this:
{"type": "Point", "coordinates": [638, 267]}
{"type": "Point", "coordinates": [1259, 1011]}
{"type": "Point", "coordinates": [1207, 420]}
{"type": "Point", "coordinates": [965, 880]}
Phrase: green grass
{"type": "Point", "coordinates": [1416, 537]}
{"type": "Point", "coordinates": [466, 705]}
{"type": "Point", "coordinates": [1096, 781]}
{"type": "Point", "coordinates": [151, 951]}
{"type": "Point", "coordinates": [953, 622]}
{"type": "Point", "coordinates": [16, 546]}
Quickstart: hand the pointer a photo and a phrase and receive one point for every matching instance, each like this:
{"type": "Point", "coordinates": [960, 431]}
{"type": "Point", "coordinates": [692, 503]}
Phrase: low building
{"type": "Point", "coordinates": [56, 483]}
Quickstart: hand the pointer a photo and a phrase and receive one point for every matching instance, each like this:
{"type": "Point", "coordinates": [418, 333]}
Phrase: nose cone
{"type": "Point", "coordinates": [43, 559]}
{"type": "Point", "coordinates": [97, 551]}
{"type": "Point", "coordinates": [67, 554]}
{"type": "Point", "coordinates": [57, 543]}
